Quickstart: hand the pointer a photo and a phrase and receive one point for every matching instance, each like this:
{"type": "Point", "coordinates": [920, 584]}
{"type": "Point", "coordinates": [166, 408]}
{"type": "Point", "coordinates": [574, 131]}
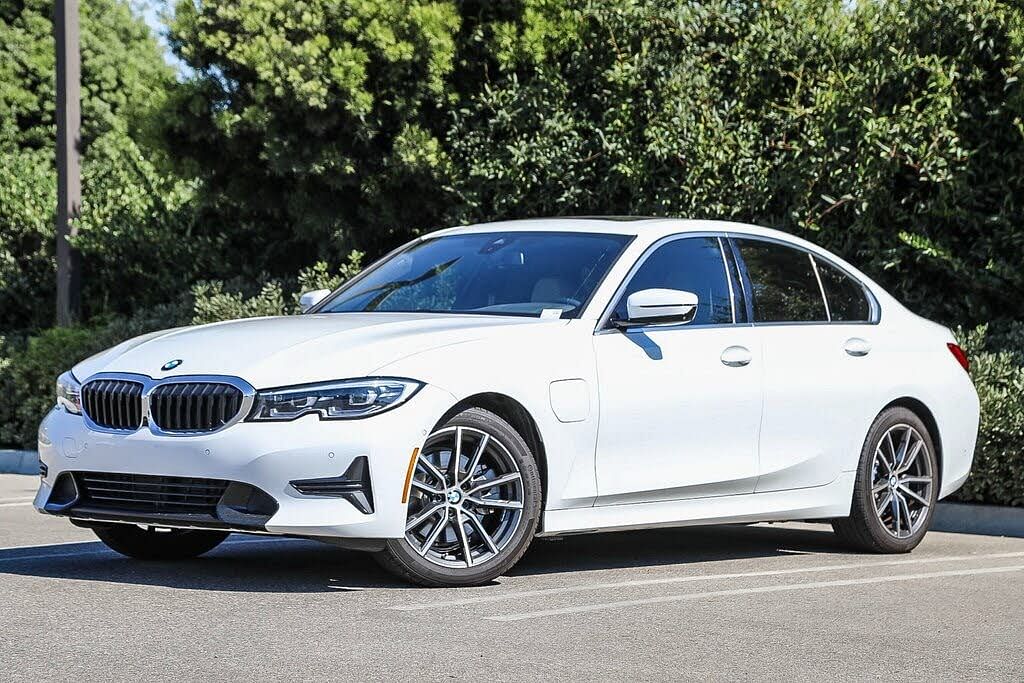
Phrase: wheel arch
{"type": "Point", "coordinates": [513, 412]}
{"type": "Point", "coordinates": [918, 407]}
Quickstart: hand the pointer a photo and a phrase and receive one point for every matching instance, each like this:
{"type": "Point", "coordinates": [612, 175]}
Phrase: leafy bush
{"type": "Point", "coordinates": [889, 132]}
{"type": "Point", "coordinates": [213, 303]}
{"type": "Point", "coordinates": [29, 368]}
{"type": "Point", "coordinates": [997, 368]}
{"type": "Point", "coordinates": [27, 381]}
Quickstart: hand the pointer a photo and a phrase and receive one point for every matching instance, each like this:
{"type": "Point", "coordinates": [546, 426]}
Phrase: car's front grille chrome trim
{"type": "Point", "coordinates": [186, 405]}
{"type": "Point", "coordinates": [115, 404]}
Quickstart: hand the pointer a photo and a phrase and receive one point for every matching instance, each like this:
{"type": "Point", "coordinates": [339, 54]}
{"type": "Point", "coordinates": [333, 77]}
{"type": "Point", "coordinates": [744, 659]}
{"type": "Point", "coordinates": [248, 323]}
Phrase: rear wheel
{"type": "Point", "coordinates": [896, 487]}
{"type": "Point", "coordinates": [473, 507]}
{"type": "Point", "coordinates": [159, 544]}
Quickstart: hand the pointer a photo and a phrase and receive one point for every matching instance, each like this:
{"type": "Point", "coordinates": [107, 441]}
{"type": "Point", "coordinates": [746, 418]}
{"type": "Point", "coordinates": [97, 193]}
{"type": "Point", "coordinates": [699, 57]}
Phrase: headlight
{"type": "Point", "coordinates": [342, 400]}
{"type": "Point", "coordinates": [69, 393]}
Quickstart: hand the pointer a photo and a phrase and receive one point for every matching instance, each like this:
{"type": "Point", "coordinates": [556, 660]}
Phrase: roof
{"type": "Point", "coordinates": [650, 227]}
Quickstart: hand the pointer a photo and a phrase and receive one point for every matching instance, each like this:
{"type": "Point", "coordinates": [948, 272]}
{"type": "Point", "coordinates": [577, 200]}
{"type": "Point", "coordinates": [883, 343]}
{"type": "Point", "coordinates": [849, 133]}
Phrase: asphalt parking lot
{"type": "Point", "coordinates": [765, 602]}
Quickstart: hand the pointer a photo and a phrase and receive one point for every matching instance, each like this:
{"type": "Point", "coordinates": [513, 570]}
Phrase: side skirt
{"type": "Point", "coordinates": [819, 502]}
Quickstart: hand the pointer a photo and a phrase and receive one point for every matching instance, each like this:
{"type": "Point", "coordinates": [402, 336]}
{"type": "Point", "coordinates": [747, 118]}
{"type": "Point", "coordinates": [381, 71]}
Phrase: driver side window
{"type": "Point", "coordinates": [690, 264]}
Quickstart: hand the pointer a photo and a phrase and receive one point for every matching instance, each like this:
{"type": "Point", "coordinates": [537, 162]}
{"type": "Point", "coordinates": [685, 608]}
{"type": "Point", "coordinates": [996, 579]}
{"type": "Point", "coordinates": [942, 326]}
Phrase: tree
{"type": "Point", "coordinates": [888, 131]}
{"type": "Point", "coordinates": [124, 82]}
{"type": "Point", "coordinates": [314, 123]}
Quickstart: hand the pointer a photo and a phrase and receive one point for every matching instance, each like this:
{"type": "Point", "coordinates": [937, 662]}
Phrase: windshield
{"type": "Point", "coordinates": [499, 273]}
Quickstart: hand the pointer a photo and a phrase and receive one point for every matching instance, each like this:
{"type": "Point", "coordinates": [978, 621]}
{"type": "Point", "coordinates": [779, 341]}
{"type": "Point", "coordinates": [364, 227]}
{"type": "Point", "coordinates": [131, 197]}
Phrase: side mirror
{"type": "Point", "coordinates": [310, 299]}
{"type": "Point", "coordinates": [666, 306]}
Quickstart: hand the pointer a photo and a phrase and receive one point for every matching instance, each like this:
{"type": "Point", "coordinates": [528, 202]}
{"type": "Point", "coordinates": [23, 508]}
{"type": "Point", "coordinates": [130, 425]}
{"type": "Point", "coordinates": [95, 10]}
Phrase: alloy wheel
{"type": "Point", "coordinates": [466, 501]}
{"type": "Point", "coordinates": [901, 480]}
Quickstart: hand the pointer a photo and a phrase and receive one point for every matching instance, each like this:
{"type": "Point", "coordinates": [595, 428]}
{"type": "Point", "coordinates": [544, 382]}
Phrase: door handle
{"type": "Point", "coordinates": [736, 356]}
{"type": "Point", "coordinates": [855, 346]}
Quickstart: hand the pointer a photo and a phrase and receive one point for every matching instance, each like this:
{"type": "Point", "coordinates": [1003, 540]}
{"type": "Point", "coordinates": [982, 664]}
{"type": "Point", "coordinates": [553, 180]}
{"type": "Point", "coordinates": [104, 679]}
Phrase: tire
{"type": "Point", "coordinates": [892, 510]}
{"type": "Point", "coordinates": [433, 552]}
{"type": "Point", "coordinates": [146, 544]}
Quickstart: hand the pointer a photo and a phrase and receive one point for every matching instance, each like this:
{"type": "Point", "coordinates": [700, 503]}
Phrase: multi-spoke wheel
{"type": "Point", "coordinates": [474, 504]}
{"type": "Point", "coordinates": [901, 480]}
{"type": "Point", "coordinates": [896, 485]}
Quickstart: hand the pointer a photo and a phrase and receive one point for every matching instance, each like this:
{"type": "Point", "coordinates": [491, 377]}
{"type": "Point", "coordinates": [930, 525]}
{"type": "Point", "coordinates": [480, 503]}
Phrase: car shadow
{"type": "Point", "coordinates": [284, 565]}
{"type": "Point", "coordinates": [674, 546]}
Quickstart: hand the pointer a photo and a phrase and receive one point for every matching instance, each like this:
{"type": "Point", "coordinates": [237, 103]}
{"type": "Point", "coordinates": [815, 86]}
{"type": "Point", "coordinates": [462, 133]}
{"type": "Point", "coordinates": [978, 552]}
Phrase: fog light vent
{"type": "Point", "coordinates": [353, 486]}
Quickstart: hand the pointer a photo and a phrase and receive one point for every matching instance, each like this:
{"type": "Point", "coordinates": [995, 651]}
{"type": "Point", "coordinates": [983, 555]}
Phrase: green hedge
{"type": "Point", "coordinates": [997, 368]}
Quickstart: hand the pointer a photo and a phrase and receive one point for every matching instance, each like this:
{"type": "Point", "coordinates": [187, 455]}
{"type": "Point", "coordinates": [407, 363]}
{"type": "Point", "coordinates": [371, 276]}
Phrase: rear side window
{"type": "Point", "coordinates": [847, 301]}
{"type": "Point", "coordinates": [785, 287]}
{"type": "Point", "coordinates": [691, 264]}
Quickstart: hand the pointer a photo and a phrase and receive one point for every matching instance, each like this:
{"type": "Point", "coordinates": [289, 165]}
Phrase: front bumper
{"type": "Point", "coordinates": [266, 456]}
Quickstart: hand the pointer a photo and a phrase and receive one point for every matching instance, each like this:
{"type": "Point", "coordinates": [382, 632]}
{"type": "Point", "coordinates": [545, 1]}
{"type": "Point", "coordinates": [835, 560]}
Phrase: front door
{"type": "Point", "coordinates": [680, 405]}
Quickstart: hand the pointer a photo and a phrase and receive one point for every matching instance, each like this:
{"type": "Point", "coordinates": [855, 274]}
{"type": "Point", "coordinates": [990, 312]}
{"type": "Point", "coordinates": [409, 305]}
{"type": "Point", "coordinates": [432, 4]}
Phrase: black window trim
{"type": "Point", "coordinates": [736, 290]}
{"type": "Point", "coordinates": [875, 314]}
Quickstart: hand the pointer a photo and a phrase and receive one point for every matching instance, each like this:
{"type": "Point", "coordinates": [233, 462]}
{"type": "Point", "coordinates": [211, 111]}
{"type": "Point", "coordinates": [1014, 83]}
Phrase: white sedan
{"type": "Point", "coordinates": [484, 385]}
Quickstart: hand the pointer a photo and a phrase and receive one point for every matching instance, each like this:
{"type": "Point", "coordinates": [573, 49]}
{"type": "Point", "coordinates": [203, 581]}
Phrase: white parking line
{"type": "Point", "coordinates": [26, 503]}
{"type": "Point", "coordinates": [47, 556]}
{"type": "Point", "coordinates": [101, 550]}
{"type": "Point", "coordinates": [696, 577]}
{"type": "Point", "coordinates": [683, 597]}
{"type": "Point", "coordinates": [16, 501]}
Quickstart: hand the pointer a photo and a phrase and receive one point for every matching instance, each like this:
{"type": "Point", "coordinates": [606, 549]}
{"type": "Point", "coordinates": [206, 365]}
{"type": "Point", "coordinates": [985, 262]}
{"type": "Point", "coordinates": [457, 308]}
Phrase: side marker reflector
{"type": "Point", "coordinates": [408, 474]}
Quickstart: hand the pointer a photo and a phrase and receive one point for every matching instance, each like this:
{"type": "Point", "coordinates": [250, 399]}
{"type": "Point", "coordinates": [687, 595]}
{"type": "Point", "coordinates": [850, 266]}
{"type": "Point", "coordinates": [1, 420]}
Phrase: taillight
{"type": "Point", "coordinates": [960, 356]}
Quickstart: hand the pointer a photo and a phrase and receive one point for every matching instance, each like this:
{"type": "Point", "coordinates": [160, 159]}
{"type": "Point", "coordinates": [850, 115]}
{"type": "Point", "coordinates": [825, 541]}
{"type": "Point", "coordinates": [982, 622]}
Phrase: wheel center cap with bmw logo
{"type": "Point", "coordinates": [171, 364]}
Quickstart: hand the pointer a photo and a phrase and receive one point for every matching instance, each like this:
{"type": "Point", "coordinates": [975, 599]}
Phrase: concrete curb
{"type": "Point", "coordinates": [19, 462]}
{"type": "Point", "coordinates": [985, 520]}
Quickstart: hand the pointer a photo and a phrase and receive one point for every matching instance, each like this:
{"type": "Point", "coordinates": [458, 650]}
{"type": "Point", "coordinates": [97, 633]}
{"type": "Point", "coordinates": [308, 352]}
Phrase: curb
{"type": "Point", "coordinates": [19, 462]}
{"type": "Point", "coordinates": [985, 520]}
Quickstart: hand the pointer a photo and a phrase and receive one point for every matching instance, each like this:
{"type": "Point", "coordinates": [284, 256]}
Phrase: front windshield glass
{"type": "Point", "coordinates": [498, 273]}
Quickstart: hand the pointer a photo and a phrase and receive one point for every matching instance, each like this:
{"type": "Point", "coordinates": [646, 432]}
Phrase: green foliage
{"type": "Point", "coordinates": [331, 108]}
{"type": "Point", "coordinates": [213, 303]}
{"type": "Point", "coordinates": [29, 377]}
{"type": "Point", "coordinates": [137, 234]}
{"type": "Point", "coordinates": [124, 77]}
{"type": "Point", "coordinates": [28, 194]}
{"type": "Point", "coordinates": [997, 368]}
{"type": "Point", "coordinates": [29, 368]}
{"type": "Point", "coordinates": [132, 211]}
{"type": "Point", "coordinates": [889, 132]}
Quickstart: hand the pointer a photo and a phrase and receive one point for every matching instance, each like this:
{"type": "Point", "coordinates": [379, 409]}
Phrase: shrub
{"type": "Point", "coordinates": [27, 381]}
{"type": "Point", "coordinates": [213, 303]}
{"type": "Point", "coordinates": [28, 369]}
{"type": "Point", "coordinates": [997, 368]}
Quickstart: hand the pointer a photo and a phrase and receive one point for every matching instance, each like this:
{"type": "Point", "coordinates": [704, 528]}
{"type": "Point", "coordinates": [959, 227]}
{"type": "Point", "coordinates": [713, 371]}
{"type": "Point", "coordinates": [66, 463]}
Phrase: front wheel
{"type": "Point", "coordinates": [159, 544]}
{"type": "Point", "coordinates": [896, 487]}
{"type": "Point", "coordinates": [474, 504]}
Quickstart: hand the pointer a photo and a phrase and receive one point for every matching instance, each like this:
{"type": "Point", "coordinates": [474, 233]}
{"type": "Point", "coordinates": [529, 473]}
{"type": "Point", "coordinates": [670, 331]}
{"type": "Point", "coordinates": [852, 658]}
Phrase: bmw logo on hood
{"type": "Point", "coordinates": [171, 364]}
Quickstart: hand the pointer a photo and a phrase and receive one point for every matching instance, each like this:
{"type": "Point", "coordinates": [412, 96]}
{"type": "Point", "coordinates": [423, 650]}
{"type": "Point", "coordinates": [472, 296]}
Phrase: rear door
{"type": "Point", "coordinates": [817, 362]}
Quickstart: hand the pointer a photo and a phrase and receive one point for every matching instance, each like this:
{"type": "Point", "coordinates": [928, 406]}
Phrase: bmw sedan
{"type": "Point", "coordinates": [485, 385]}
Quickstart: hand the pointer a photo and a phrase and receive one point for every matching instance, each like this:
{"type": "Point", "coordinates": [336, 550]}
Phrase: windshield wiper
{"type": "Point", "coordinates": [390, 288]}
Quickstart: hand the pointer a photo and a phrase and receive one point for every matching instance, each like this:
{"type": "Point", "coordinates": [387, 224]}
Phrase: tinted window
{"type": "Point", "coordinates": [498, 273]}
{"type": "Point", "coordinates": [784, 284]}
{"type": "Point", "coordinates": [693, 264]}
{"type": "Point", "coordinates": [847, 301]}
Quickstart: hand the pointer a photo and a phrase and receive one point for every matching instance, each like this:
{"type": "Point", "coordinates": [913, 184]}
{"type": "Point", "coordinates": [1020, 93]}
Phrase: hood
{"type": "Point", "coordinates": [278, 351]}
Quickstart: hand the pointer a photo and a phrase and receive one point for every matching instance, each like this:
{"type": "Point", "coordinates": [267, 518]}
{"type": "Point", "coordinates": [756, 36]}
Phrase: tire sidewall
{"type": "Point", "coordinates": [428, 573]}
